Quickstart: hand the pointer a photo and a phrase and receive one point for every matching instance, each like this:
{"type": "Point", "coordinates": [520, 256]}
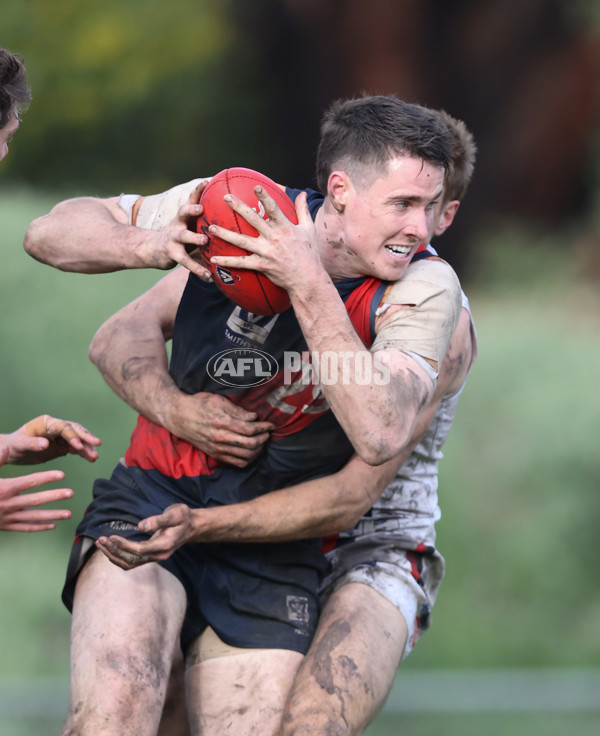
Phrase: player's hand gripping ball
{"type": "Point", "coordinates": [251, 290]}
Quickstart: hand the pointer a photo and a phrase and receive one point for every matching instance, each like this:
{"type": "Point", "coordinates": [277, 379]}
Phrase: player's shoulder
{"type": "Point", "coordinates": [424, 279]}
{"type": "Point", "coordinates": [433, 269]}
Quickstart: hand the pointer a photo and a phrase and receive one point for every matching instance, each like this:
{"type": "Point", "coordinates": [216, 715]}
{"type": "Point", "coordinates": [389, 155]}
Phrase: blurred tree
{"type": "Point", "coordinates": [524, 76]}
{"type": "Point", "coordinates": [141, 94]}
{"type": "Point", "coordinates": [130, 93]}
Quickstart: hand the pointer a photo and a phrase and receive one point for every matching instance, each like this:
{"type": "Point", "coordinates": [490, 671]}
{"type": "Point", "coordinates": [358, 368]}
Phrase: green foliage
{"type": "Point", "coordinates": [519, 489]}
{"type": "Point", "coordinates": [128, 80]}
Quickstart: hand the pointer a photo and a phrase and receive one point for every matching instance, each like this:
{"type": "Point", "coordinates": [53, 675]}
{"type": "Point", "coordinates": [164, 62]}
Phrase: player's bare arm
{"type": "Point", "coordinates": [129, 350]}
{"type": "Point", "coordinates": [311, 509]}
{"type": "Point", "coordinates": [93, 235]}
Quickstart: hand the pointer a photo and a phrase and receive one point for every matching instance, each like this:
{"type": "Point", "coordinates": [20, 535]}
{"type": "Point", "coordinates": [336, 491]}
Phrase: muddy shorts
{"type": "Point", "coordinates": [409, 579]}
{"type": "Point", "coordinates": [253, 595]}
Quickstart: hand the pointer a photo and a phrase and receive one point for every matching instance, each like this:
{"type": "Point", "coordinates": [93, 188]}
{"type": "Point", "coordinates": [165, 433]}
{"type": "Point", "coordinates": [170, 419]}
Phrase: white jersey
{"type": "Point", "coordinates": [409, 507]}
{"type": "Point", "coordinates": [392, 548]}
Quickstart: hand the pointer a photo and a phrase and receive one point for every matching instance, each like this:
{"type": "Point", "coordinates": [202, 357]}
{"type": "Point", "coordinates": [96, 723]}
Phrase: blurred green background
{"type": "Point", "coordinates": [138, 96]}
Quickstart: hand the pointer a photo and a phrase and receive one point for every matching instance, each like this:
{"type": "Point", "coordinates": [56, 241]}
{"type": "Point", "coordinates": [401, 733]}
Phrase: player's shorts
{"type": "Point", "coordinates": [261, 596]}
{"type": "Point", "coordinates": [408, 579]}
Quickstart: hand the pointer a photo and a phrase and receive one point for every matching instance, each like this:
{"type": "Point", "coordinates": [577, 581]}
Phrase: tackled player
{"type": "Point", "coordinates": [378, 208]}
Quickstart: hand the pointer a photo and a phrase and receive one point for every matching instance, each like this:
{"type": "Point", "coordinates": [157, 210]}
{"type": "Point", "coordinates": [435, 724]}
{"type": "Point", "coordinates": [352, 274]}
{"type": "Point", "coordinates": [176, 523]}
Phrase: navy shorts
{"type": "Point", "coordinates": [253, 595]}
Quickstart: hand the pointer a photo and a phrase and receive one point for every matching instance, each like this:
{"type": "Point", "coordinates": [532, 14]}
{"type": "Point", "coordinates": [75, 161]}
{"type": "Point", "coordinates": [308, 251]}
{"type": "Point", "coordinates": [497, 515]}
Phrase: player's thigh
{"type": "Point", "coordinates": [350, 666]}
{"type": "Point", "coordinates": [124, 633]}
{"type": "Point", "coordinates": [240, 693]}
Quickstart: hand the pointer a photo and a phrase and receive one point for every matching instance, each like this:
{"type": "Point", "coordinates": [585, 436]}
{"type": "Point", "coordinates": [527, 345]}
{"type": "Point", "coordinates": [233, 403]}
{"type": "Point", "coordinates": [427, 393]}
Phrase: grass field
{"type": "Point", "coordinates": [519, 485]}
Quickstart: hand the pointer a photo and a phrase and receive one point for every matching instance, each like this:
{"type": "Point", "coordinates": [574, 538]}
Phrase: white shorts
{"type": "Point", "coordinates": [409, 579]}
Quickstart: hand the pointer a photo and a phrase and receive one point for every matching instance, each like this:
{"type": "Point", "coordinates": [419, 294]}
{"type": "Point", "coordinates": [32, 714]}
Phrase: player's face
{"type": "Point", "coordinates": [385, 222]}
{"type": "Point", "coordinates": [6, 133]}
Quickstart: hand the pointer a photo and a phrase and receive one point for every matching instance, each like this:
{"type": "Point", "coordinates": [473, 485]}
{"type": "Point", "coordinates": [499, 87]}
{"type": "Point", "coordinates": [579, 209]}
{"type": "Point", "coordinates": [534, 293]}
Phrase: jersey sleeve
{"type": "Point", "coordinates": [155, 211]}
{"type": "Point", "coordinates": [419, 313]}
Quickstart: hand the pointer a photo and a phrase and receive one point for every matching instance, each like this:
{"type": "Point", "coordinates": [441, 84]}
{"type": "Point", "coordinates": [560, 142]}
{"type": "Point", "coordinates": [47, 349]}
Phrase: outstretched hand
{"type": "Point", "coordinates": [172, 529]}
{"type": "Point", "coordinates": [46, 438]}
{"type": "Point", "coordinates": [15, 512]}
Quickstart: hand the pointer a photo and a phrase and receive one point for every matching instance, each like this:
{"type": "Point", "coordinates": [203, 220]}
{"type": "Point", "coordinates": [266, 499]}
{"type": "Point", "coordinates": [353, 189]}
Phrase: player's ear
{"type": "Point", "coordinates": [448, 213]}
{"type": "Point", "coordinates": [339, 187]}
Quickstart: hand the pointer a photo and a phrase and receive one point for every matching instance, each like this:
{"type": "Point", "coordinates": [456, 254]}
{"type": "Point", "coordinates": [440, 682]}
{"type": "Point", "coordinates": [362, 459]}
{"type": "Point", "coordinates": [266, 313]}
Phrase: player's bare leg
{"type": "Point", "coordinates": [174, 720]}
{"type": "Point", "coordinates": [240, 692]}
{"type": "Point", "coordinates": [124, 632]}
{"type": "Point", "coordinates": [349, 670]}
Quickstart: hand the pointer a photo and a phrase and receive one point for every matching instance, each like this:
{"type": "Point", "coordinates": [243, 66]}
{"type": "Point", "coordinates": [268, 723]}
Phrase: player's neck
{"type": "Point", "coordinates": [337, 257]}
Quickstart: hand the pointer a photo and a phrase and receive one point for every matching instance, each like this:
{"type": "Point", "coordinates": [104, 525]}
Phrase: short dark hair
{"type": "Point", "coordinates": [15, 95]}
{"type": "Point", "coordinates": [462, 159]}
{"type": "Point", "coordinates": [372, 129]}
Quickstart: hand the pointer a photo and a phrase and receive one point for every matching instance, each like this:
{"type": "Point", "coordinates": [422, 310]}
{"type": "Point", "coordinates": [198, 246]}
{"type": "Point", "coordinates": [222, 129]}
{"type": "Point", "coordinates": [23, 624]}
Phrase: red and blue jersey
{"type": "Point", "coordinates": [307, 442]}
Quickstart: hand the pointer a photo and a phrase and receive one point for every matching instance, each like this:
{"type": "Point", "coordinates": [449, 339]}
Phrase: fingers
{"type": "Point", "coordinates": [275, 250]}
{"type": "Point", "coordinates": [36, 427]}
{"type": "Point", "coordinates": [154, 523]}
{"type": "Point", "coordinates": [171, 530]}
{"type": "Point", "coordinates": [231, 416]}
{"type": "Point", "coordinates": [239, 444]}
{"type": "Point", "coordinates": [237, 461]}
{"type": "Point", "coordinates": [302, 211]}
{"type": "Point", "coordinates": [34, 519]}
{"type": "Point", "coordinates": [254, 245]}
{"type": "Point", "coordinates": [23, 448]}
{"type": "Point", "coordinates": [193, 242]}
{"type": "Point", "coordinates": [179, 243]}
{"type": "Point", "coordinates": [224, 430]}
{"type": "Point", "coordinates": [14, 486]}
{"type": "Point", "coordinates": [170, 517]}
{"type": "Point", "coordinates": [128, 554]}
{"type": "Point", "coordinates": [16, 512]}
{"type": "Point", "coordinates": [28, 526]}
{"type": "Point", "coordinates": [42, 497]}
{"type": "Point", "coordinates": [196, 267]}
{"type": "Point", "coordinates": [245, 430]}
{"type": "Point", "coordinates": [123, 559]}
{"type": "Point", "coordinates": [71, 431]}
{"type": "Point", "coordinates": [80, 440]}
{"type": "Point", "coordinates": [196, 193]}
{"type": "Point", "coordinates": [52, 437]}
{"type": "Point", "coordinates": [236, 449]}
{"type": "Point", "coordinates": [272, 210]}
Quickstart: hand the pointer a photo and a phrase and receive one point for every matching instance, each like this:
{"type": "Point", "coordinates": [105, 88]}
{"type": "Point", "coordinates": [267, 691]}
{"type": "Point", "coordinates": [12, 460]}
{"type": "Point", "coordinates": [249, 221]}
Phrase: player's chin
{"type": "Point", "coordinates": [390, 269]}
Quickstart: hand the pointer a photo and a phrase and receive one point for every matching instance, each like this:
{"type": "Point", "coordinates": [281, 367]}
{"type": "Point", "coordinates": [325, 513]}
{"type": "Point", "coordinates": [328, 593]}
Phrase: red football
{"type": "Point", "coordinates": [249, 289]}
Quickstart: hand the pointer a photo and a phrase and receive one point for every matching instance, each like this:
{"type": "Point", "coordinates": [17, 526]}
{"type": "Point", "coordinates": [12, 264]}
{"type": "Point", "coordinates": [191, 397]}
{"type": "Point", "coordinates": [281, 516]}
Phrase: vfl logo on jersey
{"type": "Point", "coordinates": [245, 329]}
{"type": "Point", "coordinates": [225, 276]}
{"type": "Point", "coordinates": [242, 368]}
